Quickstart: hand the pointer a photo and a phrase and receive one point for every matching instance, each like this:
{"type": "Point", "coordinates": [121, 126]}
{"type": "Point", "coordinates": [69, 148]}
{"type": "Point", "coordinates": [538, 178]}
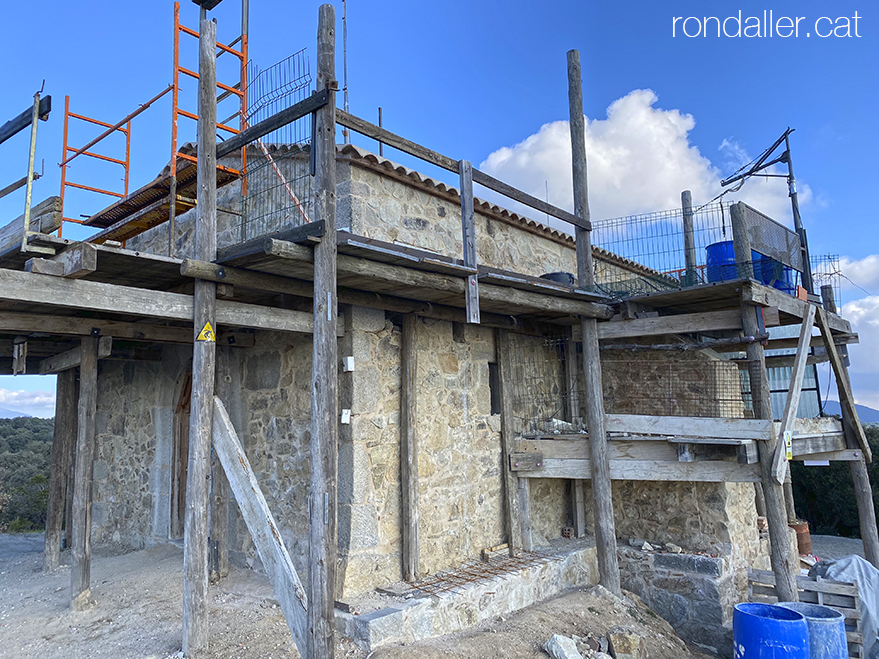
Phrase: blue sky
{"type": "Point", "coordinates": [471, 79]}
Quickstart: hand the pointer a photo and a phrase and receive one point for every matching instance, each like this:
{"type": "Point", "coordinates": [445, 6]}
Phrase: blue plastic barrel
{"type": "Point", "coordinates": [826, 630]}
{"type": "Point", "coordinates": [766, 631]}
{"type": "Point", "coordinates": [721, 266]}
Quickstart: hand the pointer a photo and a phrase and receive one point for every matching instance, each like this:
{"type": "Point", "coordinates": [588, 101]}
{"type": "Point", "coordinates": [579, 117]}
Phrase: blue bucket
{"type": "Point", "coordinates": [721, 266]}
{"type": "Point", "coordinates": [765, 631]}
{"type": "Point", "coordinates": [826, 630]}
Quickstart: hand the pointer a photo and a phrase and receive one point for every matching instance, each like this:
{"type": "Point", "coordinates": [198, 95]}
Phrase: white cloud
{"type": "Point", "coordinates": [34, 403]}
{"type": "Point", "coordinates": [864, 317]}
{"type": "Point", "coordinates": [640, 159]}
{"type": "Point", "coordinates": [862, 273]}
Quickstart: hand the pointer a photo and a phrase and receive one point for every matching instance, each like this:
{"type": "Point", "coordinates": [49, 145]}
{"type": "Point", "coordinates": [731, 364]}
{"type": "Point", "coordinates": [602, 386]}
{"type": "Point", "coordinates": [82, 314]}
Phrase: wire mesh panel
{"type": "Point", "coordinates": [649, 253]}
{"type": "Point", "coordinates": [680, 386]}
{"type": "Point", "coordinates": [826, 271]}
{"type": "Point", "coordinates": [277, 190]}
{"type": "Point", "coordinates": [543, 400]}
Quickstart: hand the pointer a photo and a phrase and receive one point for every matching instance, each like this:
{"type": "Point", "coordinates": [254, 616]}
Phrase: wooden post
{"type": "Point", "coordinates": [860, 476]}
{"type": "Point", "coordinates": [80, 572]}
{"type": "Point", "coordinates": [64, 437]}
{"type": "Point", "coordinates": [689, 239]}
{"type": "Point", "coordinates": [468, 232]}
{"type": "Point", "coordinates": [602, 501]}
{"type": "Point", "coordinates": [195, 531]}
{"type": "Point", "coordinates": [773, 492]}
{"type": "Point", "coordinates": [409, 447]}
{"type": "Point", "coordinates": [71, 472]}
{"type": "Point", "coordinates": [741, 243]}
{"type": "Point", "coordinates": [514, 492]}
{"type": "Point", "coordinates": [324, 405]}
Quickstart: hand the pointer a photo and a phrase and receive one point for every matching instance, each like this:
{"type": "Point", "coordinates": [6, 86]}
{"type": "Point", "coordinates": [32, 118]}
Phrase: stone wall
{"type": "Point", "coordinates": [694, 593]}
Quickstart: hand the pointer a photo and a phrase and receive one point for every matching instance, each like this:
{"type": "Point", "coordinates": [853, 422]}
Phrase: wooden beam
{"type": "Point", "coordinates": [196, 566]}
{"type": "Point", "coordinates": [761, 295]}
{"type": "Point", "coordinates": [262, 281]}
{"type": "Point", "coordinates": [23, 120]}
{"type": "Point", "coordinates": [512, 494]}
{"type": "Point", "coordinates": [843, 386]}
{"type": "Point", "coordinates": [401, 143]}
{"type": "Point", "coordinates": [639, 424]}
{"type": "Point", "coordinates": [468, 234]}
{"type": "Point", "coordinates": [45, 218]}
{"type": "Point", "coordinates": [324, 449]}
{"type": "Point", "coordinates": [792, 402]}
{"type": "Point", "coordinates": [602, 501]}
{"type": "Point", "coordinates": [73, 357]}
{"type": "Point", "coordinates": [409, 447]}
{"type": "Point", "coordinates": [539, 205]}
{"type": "Point", "coordinates": [79, 260]}
{"type": "Point", "coordinates": [708, 321]}
{"type": "Point", "coordinates": [80, 571]}
{"type": "Point", "coordinates": [262, 526]}
{"type": "Point", "coordinates": [28, 323]}
{"type": "Point", "coordinates": [707, 471]}
{"type": "Point", "coordinates": [97, 296]}
{"type": "Point", "coordinates": [64, 437]}
{"type": "Point", "coordinates": [228, 389]}
{"type": "Point", "coordinates": [773, 493]}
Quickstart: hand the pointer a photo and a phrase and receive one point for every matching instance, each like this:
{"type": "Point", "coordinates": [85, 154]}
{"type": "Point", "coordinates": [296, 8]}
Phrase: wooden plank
{"type": "Point", "coordinates": [525, 461]}
{"type": "Point", "coordinates": [515, 194]}
{"type": "Point", "coordinates": [317, 100]}
{"type": "Point", "coordinates": [842, 455]}
{"type": "Point", "coordinates": [709, 321]}
{"type": "Point", "coordinates": [323, 486]}
{"type": "Point", "coordinates": [26, 323]}
{"type": "Point", "coordinates": [602, 502]}
{"type": "Point", "coordinates": [41, 266]}
{"type": "Point", "coordinates": [64, 437]}
{"type": "Point", "coordinates": [708, 471]}
{"type": "Point", "coordinates": [386, 137]}
{"type": "Point", "coordinates": [262, 526]}
{"type": "Point", "coordinates": [846, 398]}
{"type": "Point", "coordinates": [803, 447]}
{"type": "Point", "coordinates": [468, 231]}
{"type": "Point", "coordinates": [73, 357]}
{"type": "Point", "coordinates": [80, 571]}
{"type": "Point", "coordinates": [792, 402]}
{"type": "Point", "coordinates": [513, 513]}
{"type": "Point", "coordinates": [196, 565]}
{"type": "Point", "coordinates": [758, 294]}
{"type": "Point", "coordinates": [686, 426]}
{"type": "Point", "coordinates": [78, 261]}
{"type": "Point", "coordinates": [45, 218]}
{"type": "Point", "coordinates": [23, 120]}
{"type": "Point", "coordinates": [409, 447]}
{"type": "Point", "coordinates": [98, 296]}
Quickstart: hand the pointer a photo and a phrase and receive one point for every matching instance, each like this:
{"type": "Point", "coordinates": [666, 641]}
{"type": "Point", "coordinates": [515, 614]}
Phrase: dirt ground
{"type": "Point", "coordinates": [138, 608]}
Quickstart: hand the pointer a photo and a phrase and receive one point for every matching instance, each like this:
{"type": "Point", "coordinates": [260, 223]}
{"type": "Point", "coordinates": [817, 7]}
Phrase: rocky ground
{"type": "Point", "coordinates": [138, 608]}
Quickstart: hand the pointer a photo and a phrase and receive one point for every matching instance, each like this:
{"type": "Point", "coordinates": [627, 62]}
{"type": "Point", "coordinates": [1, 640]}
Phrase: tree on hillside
{"type": "Point", "coordinates": [25, 447]}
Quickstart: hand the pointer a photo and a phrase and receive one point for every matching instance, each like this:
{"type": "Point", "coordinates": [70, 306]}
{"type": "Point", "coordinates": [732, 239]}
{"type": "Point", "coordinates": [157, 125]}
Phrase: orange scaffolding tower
{"type": "Point", "coordinates": [239, 89]}
{"type": "Point", "coordinates": [140, 206]}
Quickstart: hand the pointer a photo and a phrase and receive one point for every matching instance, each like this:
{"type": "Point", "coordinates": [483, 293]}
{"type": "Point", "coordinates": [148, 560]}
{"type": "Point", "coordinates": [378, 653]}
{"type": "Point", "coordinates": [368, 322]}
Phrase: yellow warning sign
{"type": "Point", "coordinates": [206, 334]}
{"type": "Point", "coordinates": [788, 445]}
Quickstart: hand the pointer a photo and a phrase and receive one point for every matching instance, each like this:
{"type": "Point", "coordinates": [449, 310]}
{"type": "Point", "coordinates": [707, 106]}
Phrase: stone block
{"type": "Point", "coordinates": [561, 647]}
{"type": "Point", "coordinates": [672, 607]}
{"type": "Point", "coordinates": [366, 319]}
{"type": "Point", "coordinates": [362, 532]}
{"type": "Point", "coordinates": [625, 643]}
{"type": "Point", "coordinates": [689, 563]}
{"type": "Point", "coordinates": [263, 371]}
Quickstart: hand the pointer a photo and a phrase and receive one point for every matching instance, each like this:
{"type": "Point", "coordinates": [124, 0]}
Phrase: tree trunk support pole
{"type": "Point", "coordinates": [602, 501]}
{"type": "Point", "coordinates": [196, 563]}
{"type": "Point", "coordinates": [860, 476]}
{"type": "Point", "coordinates": [64, 437]}
{"type": "Point", "coordinates": [773, 492]}
{"type": "Point", "coordinates": [324, 404]}
{"type": "Point", "coordinates": [80, 572]}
